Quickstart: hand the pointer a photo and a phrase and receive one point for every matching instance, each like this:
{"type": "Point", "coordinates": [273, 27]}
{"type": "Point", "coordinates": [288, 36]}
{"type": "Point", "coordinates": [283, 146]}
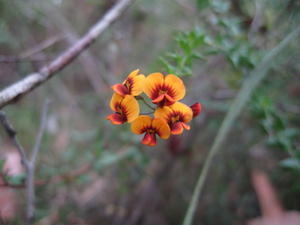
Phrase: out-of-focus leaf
{"type": "Point", "coordinates": [202, 4]}
{"type": "Point", "coordinates": [16, 179]}
{"type": "Point", "coordinates": [1, 164]}
{"type": "Point", "coordinates": [111, 158]}
{"type": "Point", "coordinates": [5, 35]}
{"type": "Point", "coordinates": [291, 163]}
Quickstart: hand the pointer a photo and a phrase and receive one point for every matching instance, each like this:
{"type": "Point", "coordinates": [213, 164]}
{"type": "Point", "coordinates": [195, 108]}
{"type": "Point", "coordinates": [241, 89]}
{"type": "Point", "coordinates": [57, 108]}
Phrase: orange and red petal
{"type": "Point", "coordinates": [153, 82]}
{"type": "Point", "coordinates": [169, 100]}
{"type": "Point", "coordinates": [120, 89]}
{"type": "Point", "coordinates": [176, 128]}
{"type": "Point", "coordinates": [137, 85]}
{"type": "Point", "coordinates": [134, 73]}
{"type": "Point", "coordinates": [183, 110]}
{"type": "Point", "coordinates": [158, 99]}
{"type": "Point", "coordinates": [163, 113]}
{"type": "Point", "coordinates": [161, 127]}
{"type": "Point", "coordinates": [185, 126]}
{"type": "Point", "coordinates": [196, 108]}
{"type": "Point", "coordinates": [176, 85]}
{"type": "Point", "coordinates": [130, 108]}
{"type": "Point", "coordinates": [140, 125]}
{"type": "Point", "coordinates": [149, 139]}
{"type": "Point", "coordinates": [115, 101]}
{"type": "Point", "coordinates": [116, 118]}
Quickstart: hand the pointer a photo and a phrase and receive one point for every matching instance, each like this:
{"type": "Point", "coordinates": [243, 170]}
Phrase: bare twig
{"type": "Point", "coordinates": [31, 54]}
{"type": "Point", "coordinates": [41, 131]}
{"type": "Point", "coordinates": [29, 164]}
{"type": "Point", "coordinates": [31, 81]}
{"type": "Point", "coordinates": [30, 185]}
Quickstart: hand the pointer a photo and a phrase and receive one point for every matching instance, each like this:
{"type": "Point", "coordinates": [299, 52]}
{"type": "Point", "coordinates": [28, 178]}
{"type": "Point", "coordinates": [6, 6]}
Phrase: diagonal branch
{"type": "Point", "coordinates": [31, 81]}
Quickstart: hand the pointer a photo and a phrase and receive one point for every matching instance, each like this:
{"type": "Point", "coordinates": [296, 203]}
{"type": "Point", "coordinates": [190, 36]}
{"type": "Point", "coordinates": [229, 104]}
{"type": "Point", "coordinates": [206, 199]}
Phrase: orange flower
{"type": "Point", "coordinates": [126, 109]}
{"type": "Point", "coordinates": [196, 108]}
{"type": "Point", "coordinates": [133, 85]}
{"type": "Point", "coordinates": [164, 91]}
{"type": "Point", "coordinates": [176, 115]}
{"type": "Point", "coordinates": [150, 126]}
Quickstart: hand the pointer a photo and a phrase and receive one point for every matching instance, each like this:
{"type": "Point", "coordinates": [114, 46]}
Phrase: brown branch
{"type": "Point", "coordinates": [31, 81]}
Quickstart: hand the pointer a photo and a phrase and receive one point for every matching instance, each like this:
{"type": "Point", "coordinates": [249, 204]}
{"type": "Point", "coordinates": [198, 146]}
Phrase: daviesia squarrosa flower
{"type": "Point", "coordinates": [176, 116]}
{"type": "Point", "coordinates": [164, 90]}
{"type": "Point", "coordinates": [151, 127]}
{"type": "Point", "coordinates": [196, 108]}
{"type": "Point", "coordinates": [133, 85]}
{"type": "Point", "coordinates": [126, 109]}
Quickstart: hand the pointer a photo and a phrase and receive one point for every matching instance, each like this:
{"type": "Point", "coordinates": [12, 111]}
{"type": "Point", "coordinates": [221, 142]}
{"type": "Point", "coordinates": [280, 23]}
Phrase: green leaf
{"type": "Point", "coordinates": [202, 4]}
{"type": "Point", "coordinates": [16, 179]}
{"type": "Point", "coordinates": [290, 163]}
{"type": "Point", "coordinates": [1, 164]}
{"type": "Point", "coordinates": [111, 158]}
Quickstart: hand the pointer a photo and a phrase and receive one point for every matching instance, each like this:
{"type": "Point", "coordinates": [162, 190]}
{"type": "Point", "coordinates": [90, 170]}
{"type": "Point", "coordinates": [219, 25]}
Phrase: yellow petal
{"type": "Point", "coordinates": [162, 128]}
{"type": "Point", "coordinates": [176, 85]}
{"type": "Point", "coordinates": [116, 100]}
{"type": "Point", "coordinates": [152, 82]}
{"type": "Point", "coordinates": [182, 109]}
{"type": "Point", "coordinates": [139, 125]}
{"type": "Point", "coordinates": [137, 85]}
{"type": "Point", "coordinates": [130, 108]}
{"type": "Point", "coordinates": [163, 113]}
{"type": "Point", "coordinates": [134, 73]}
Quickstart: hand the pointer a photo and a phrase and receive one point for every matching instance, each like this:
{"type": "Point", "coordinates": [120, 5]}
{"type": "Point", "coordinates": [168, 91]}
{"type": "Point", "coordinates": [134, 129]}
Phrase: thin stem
{"type": "Point", "coordinates": [145, 102]}
{"type": "Point", "coordinates": [30, 183]}
{"type": "Point", "coordinates": [41, 131]}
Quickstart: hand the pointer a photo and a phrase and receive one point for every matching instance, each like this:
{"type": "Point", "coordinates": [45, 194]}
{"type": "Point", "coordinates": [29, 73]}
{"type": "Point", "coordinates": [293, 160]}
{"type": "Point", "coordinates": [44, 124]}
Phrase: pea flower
{"type": "Point", "coordinates": [126, 109]}
{"type": "Point", "coordinates": [176, 116]}
{"type": "Point", "coordinates": [133, 85]}
{"type": "Point", "coordinates": [196, 108]}
{"type": "Point", "coordinates": [151, 127]}
{"type": "Point", "coordinates": [164, 91]}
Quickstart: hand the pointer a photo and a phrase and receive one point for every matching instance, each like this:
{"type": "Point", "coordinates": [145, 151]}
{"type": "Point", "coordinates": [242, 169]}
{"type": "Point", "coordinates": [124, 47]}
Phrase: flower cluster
{"type": "Point", "coordinates": [170, 115]}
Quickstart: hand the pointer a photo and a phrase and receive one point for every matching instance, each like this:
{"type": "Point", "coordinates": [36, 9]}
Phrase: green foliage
{"type": "Point", "coordinates": [1, 164]}
{"type": "Point", "coordinates": [230, 39]}
{"type": "Point", "coordinates": [277, 129]}
{"type": "Point", "coordinates": [202, 4]}
{"type": "Point", "coordinates": [180, 62]}
{"type": "Point", "coordinates": [16, 179]}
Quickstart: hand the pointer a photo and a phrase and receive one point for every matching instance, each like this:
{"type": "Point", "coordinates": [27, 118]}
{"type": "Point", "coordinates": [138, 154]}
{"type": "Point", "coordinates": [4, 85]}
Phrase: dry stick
{"type": "Point", "coordinates": [30, 185]}
{"type": "Point", "coordinates": [31, 81]}
{"type": "Point", "coordinates": [31, 54]}
{"type": "Point", "coordinates": [248, 87]}
{"type": "Point", "coordinates": [29, 164]}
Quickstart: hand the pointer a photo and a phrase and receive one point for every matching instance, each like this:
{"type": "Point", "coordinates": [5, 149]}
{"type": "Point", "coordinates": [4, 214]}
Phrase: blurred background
{"type": "Point", "coordinates": [92, 172]}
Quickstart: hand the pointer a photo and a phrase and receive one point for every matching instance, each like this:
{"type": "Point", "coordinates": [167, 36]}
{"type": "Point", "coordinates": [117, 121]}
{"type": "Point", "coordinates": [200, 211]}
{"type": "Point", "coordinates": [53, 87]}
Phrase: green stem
{"type": "Point", "coordinates": [145, 102]}
{"type": "Point", "coordinates": [254, 78]}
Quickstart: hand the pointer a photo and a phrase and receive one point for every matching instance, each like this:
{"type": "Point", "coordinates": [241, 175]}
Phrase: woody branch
{"type": "Point", "coordinates": [30, 82]}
